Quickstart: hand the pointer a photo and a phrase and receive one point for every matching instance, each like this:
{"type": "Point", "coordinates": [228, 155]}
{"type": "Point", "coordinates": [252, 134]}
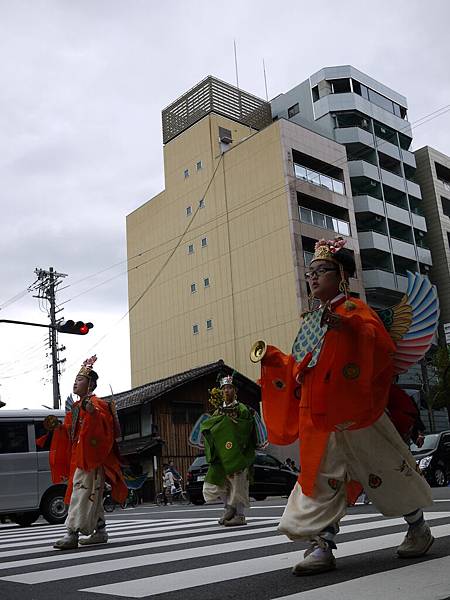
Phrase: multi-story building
{"type": "Point", "coordinates": [433, 175]}
{"type": "Point", "coordinates": [217, 260]}
{"type": "Point", "coordinates": [370, 119]}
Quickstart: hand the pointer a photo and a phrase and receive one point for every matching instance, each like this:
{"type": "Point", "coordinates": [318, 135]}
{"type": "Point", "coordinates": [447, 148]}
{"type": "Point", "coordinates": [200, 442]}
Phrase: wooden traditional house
{"type": "Point", "coordinates": [157, 418]}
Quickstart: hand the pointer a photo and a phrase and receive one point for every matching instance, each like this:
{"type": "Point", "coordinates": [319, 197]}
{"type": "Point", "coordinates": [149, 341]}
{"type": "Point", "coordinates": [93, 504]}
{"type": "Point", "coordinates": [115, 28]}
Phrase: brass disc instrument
{"type": "Point", "coordinates": [258, 351]}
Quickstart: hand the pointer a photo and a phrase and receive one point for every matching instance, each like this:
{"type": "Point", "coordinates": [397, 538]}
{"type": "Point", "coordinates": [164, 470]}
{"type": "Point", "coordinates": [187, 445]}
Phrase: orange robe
{"type": "Point", "coordinates": [347, 388]}
{"type": "Point", "coordinates": [87, 444]}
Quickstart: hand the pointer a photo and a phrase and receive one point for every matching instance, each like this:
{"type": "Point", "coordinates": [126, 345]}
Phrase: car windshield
{"type": "Point", "coordinates": [429, 443]}
{"type": "Point", "coordinates": [200, 461]}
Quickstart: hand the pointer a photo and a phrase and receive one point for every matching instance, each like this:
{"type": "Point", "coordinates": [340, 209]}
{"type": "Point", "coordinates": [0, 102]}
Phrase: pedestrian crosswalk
{"type": "Point", "coordinates": [192, 556]}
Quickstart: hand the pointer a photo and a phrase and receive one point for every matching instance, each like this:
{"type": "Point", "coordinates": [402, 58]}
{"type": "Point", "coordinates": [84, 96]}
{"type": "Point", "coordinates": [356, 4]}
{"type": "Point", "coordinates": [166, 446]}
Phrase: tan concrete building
{"type": "Point", "coordinates": [217, 260]}
{"type": "Point", "coordinates": [433, 175]}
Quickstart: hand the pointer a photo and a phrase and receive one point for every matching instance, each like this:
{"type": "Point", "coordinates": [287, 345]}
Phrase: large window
{"type": "Point", "coordinates": [319, 179]}
{"type": "Point", "coordinates": [445, 206]}
{"type": "Point", "coordinates": [443, 174]}
{"type": "Point", "coordinates": [13, 438]}
{"type": "Point", "coordinates": [322, 220]}
{"type": "Point", "coordinates": [379, 99]}
{"type": "Point", "coordinates": [341, 86]}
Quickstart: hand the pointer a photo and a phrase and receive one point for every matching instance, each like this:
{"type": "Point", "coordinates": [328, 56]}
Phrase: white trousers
{"type": "Point", "coordinates": [233, 492]}
{"type": "Point", "coordinates": [379, 459]}
{"type": "Point", "coordinates": [86, 503]}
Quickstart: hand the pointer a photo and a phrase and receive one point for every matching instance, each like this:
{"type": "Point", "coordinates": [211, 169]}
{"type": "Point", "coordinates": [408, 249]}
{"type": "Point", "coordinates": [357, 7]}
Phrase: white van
{"type": "Point", "coordinates": [26, 488]}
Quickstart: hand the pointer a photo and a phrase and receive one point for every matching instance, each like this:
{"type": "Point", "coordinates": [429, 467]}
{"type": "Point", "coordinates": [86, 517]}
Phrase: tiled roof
{"type": "Point", "coordinates": [155, 389]}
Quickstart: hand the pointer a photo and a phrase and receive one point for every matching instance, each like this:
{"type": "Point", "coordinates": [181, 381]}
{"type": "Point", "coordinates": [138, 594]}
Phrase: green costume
{"type": "Point", "coordinates": [230, 441]}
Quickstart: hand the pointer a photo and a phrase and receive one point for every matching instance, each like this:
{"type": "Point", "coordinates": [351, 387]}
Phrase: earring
{"type": "Point", "coordinates": [343, 287]}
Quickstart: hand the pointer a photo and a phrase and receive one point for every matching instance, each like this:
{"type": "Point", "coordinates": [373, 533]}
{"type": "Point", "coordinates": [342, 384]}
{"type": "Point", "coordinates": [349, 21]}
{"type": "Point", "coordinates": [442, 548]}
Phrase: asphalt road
{"type": "Point", "coordinates": [180, 553]}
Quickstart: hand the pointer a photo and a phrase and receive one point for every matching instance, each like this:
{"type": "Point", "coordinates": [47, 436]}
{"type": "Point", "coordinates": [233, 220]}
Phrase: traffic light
{"type": "Point", "coordinates": [78, 328]}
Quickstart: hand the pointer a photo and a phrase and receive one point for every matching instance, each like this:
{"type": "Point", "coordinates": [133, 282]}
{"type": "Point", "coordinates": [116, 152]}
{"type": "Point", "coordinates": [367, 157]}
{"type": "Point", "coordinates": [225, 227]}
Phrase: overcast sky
{"type": "Point", "coordinates": [82, 87]}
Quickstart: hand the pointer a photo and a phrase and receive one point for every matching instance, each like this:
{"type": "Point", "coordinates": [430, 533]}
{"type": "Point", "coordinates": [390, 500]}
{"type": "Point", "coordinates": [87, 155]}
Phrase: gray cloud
{"type": "Point", "coordinates": [83, 85]}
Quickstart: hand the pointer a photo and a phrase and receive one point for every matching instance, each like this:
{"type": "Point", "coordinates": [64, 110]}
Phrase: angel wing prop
{"type": "Point", "coordinates": [413, 322]}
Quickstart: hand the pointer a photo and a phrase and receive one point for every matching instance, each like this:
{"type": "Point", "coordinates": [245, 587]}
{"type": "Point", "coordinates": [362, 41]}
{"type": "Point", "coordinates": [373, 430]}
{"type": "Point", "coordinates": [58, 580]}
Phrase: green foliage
{"type": "Point", "coordinates": [439, 394]}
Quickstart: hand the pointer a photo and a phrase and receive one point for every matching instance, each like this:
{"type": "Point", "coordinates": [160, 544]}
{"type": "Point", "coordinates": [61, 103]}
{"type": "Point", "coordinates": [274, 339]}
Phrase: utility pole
{"type": "Point", "coordinates": [46, 285]}
{"type": "Point", "coordinates": [54, 340]}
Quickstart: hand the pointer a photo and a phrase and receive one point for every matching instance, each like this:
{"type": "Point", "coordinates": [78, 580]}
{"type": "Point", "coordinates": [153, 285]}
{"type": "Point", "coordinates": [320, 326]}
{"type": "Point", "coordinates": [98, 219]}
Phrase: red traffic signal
{"type": "Point", "coordinates": [78, 328]}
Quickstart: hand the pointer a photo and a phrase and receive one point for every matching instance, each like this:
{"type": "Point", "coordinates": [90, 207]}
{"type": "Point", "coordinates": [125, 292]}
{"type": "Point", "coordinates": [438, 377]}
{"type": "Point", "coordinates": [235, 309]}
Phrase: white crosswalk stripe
{"type": "Point", "coordinates": [27, 557]}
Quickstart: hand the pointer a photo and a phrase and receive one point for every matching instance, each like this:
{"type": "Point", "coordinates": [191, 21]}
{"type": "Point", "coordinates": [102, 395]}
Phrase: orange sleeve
{"type": "Point", "coordinates": [279, 393]}
{"type": "Point", "coordinates": [60, 451]}
{"type": "Point", "coordinates": [96, 437]}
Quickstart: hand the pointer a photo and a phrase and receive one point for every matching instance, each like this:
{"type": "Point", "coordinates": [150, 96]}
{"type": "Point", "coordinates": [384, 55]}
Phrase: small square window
{"type": "Point", "coordinates": [191, 249]}
{"type": "Point", "coordinates": [193, 288]}
{"type": "Point", "coordinates": [293, 110]}
{"type": "Point", "coordinates": [195, 329]}
{"type": "Point", "coordinates": [204, 242]}
{"type": "Point", "coordinates": [186, 173]}
{"type": "Point", "coordinates": [188, 211]}
{"type": "Point", "coordinates": [315, 93]}
{"type": "Point", "coordinates": [445, 206]}
{"type": "Point", "coordinates": [206, 282]}
{"type": "Point", "coordinates": [209, 324]}
{"type": "Point", "coordinates": [199, 165]}
{"type": "Point", "coordinates": [201, 203]}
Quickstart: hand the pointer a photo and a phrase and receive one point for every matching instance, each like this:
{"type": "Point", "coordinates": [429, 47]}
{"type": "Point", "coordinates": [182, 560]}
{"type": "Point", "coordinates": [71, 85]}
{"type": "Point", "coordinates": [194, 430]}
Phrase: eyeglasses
{"type": "Point", "coordinates": [318, 272]}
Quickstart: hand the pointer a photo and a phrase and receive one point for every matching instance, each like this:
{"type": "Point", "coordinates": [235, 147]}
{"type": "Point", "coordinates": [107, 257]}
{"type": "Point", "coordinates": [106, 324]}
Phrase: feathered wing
{"type": "Point", "coordinates": [413, 322]}
{"type": "Point", "coordinates": [196, 436]}
{"type": "Point", "coordinates": [69, 403]}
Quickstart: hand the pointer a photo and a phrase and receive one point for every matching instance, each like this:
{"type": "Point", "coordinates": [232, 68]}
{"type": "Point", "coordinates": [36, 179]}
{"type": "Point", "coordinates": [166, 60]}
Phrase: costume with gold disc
{"type": "Point", "coordinates": [331, 393]}
{"type": "Point", "coordinates": [87, 441]}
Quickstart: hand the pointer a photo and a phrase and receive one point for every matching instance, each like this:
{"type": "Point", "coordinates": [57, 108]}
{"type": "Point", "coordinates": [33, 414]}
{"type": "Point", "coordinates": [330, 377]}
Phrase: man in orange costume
{"type": "Point", "coordinates": [83, 451]}
{"type": "Point", "coordinates": [333, 401]}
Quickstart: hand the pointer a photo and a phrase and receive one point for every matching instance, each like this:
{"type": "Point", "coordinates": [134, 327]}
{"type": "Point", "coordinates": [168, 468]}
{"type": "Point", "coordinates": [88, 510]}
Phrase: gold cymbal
{"type": "Point", "coordinates": [258, 351]}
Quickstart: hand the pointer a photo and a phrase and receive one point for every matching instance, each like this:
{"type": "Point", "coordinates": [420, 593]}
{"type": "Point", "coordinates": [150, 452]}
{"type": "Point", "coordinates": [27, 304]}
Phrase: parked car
{"type": "Point", "coordinates": [433, 458]}
{"type": "Point", "coordinates": [26, 489]}
{"type": "Point", "coordinates": [270, 478]}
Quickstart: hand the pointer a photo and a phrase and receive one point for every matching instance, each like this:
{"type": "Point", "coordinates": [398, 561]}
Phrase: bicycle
{"type": "Point", "coordinates": [179, 496]}
{"type": "Point", "coordinates": [109, 504]}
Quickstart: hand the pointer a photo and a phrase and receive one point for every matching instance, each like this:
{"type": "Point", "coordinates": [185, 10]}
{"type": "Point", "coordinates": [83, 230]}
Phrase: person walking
{"type": "Point", "coordinates": [229, 438]}
{"type": "Point", "coordinates": [331, 393]}
{"type": "Point", "coordinates": [83, 453]}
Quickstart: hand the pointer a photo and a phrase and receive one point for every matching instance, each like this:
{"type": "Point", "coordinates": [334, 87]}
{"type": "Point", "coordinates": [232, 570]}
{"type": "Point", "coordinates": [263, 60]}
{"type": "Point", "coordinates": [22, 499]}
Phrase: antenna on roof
{"type": "Point", "coordinates": [265, 80]}
{"type": "Point", "coordinates": [236, 64]}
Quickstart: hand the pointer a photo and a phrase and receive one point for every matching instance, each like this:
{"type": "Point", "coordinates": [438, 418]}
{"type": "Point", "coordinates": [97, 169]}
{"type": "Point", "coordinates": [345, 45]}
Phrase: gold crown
{"type": "Point", "coordinates": [326, 249]}
{"type": "Point", "coordinates": [86, 367]}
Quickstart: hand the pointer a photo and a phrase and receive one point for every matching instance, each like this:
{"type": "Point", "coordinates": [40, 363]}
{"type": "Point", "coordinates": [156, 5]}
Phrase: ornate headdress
{"type": "Point", "coordinates": [326, 249]}
{"type": "Point", "coordinates": [332, 250]}
{"type": "Point", "coordinates": [87, 370]}
{"type": "Point", "coordinates": [227, 380]}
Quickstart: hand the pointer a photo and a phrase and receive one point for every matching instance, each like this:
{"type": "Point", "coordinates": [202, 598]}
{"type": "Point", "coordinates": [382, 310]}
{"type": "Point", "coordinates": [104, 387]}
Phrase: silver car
{"type": "Point", "coordinates": [26, 488]}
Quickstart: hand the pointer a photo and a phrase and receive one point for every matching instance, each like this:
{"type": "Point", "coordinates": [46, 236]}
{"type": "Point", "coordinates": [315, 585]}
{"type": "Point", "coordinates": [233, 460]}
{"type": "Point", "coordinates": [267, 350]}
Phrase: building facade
{"type": "Point", "coordinates": [370, 120]}
{"type": "Point", "coordinates": [433, 175]}
{"type": "Point", "coordinates": [217, 260]}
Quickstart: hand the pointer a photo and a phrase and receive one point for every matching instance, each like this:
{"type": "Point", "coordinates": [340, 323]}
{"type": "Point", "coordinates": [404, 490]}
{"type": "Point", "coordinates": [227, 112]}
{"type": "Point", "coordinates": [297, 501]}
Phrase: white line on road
{"type": "Point", "coordinates": [170, 582]}
{"type": "Point", "coordinates": [428, 579]}
{"type": "Point", "coordinates": [105, 551]}
{"type": "Point", "coordinates": [162, 557]}
{"type": "Point", "coordinates": [168, 532]}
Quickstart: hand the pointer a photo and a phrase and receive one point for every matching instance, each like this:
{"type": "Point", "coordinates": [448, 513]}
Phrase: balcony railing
{"type": "Point", "coordinates": [312, 217]}
{"type": "Point", "coordinates": [319, 179]}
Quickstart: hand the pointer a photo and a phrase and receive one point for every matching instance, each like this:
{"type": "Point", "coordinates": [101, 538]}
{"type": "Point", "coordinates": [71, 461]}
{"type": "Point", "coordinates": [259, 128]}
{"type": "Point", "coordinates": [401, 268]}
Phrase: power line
{"type": "Point", "coordinates": [215, 219]}
{"type": "Point", "coordinates": [341, 161]}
